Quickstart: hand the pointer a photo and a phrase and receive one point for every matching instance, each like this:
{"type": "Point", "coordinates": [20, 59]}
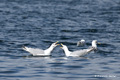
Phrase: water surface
{"type": "Point", "coordinates": [39, 23]}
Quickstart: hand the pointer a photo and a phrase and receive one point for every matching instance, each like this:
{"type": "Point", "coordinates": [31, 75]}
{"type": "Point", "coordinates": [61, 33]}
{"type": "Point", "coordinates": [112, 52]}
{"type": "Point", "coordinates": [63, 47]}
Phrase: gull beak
{"type": "Point", "coordinates": [61, 45]}
{"type": "Point", "coordinates": [98, 43]}
{"type": "Point", "coordinates": [56, 43]}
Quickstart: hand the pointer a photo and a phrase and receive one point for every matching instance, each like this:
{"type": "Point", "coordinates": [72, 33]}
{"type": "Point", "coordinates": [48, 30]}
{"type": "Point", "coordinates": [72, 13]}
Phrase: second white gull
{"type": "Point", "coordinates": [80, 52]}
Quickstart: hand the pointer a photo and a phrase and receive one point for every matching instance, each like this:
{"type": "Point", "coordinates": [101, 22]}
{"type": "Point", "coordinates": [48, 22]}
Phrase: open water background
{"type": "Point", "coordinates": [39, 23]}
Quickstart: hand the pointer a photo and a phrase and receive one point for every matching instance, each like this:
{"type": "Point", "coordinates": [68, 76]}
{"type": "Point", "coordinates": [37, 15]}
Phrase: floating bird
{"type": "Point", "coordinates": [80, 52]}
{"type": "Point", "coordinates": [81, 42]}
{"type": "Point", "coordinates": [40, 52]}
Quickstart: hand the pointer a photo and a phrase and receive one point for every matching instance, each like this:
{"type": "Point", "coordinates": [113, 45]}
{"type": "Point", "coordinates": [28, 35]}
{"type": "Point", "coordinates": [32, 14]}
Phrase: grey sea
{"type": "Point", "coordinates": [39, 23]}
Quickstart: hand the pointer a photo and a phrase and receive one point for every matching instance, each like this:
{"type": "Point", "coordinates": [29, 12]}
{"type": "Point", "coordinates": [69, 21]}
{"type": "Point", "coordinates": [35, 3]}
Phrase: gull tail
{"type": "Point", "coordinates": [24, 48]}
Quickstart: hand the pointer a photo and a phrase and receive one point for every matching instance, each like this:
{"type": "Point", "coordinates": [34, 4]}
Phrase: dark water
{"type": "Point", "coordinates": [38, 23]}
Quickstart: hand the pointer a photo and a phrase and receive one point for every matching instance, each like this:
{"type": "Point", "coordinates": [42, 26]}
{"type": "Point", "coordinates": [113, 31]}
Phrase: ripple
{"type": "Point", "coordinates": [8, 72]}
{"type": "Point", "coordinates": [73, 67]}
{"type": "Point", "coordinates": [69, 30]}
{"type": "Point", "coordinates": [58, 73]}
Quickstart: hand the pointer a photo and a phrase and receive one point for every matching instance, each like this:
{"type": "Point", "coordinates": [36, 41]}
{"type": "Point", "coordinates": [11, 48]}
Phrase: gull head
{"type": "Point", "coordinates": [64, 47]}
{"type": "Point", "coordinates": [55, 44]}
{"type": "Point", "coordinates": [94, 41]}
{"type": "Point", "coordinates": [94, 44]}
{"type": "Point", "coordinates": [81, 42]}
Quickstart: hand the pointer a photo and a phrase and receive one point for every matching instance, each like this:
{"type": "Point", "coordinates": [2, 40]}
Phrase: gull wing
{"type": "Point", "coordinates": [81, 52]}
{"type": "Point", "coordinates": [34, 51]}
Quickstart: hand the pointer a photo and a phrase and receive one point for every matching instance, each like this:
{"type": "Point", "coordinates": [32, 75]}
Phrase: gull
{"type": "Point", "coordinates": [40, 52]}
{"type": "Point", "coordinates": [79, 52]}
{"type": "Point", "coordinates": [81, 42]}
